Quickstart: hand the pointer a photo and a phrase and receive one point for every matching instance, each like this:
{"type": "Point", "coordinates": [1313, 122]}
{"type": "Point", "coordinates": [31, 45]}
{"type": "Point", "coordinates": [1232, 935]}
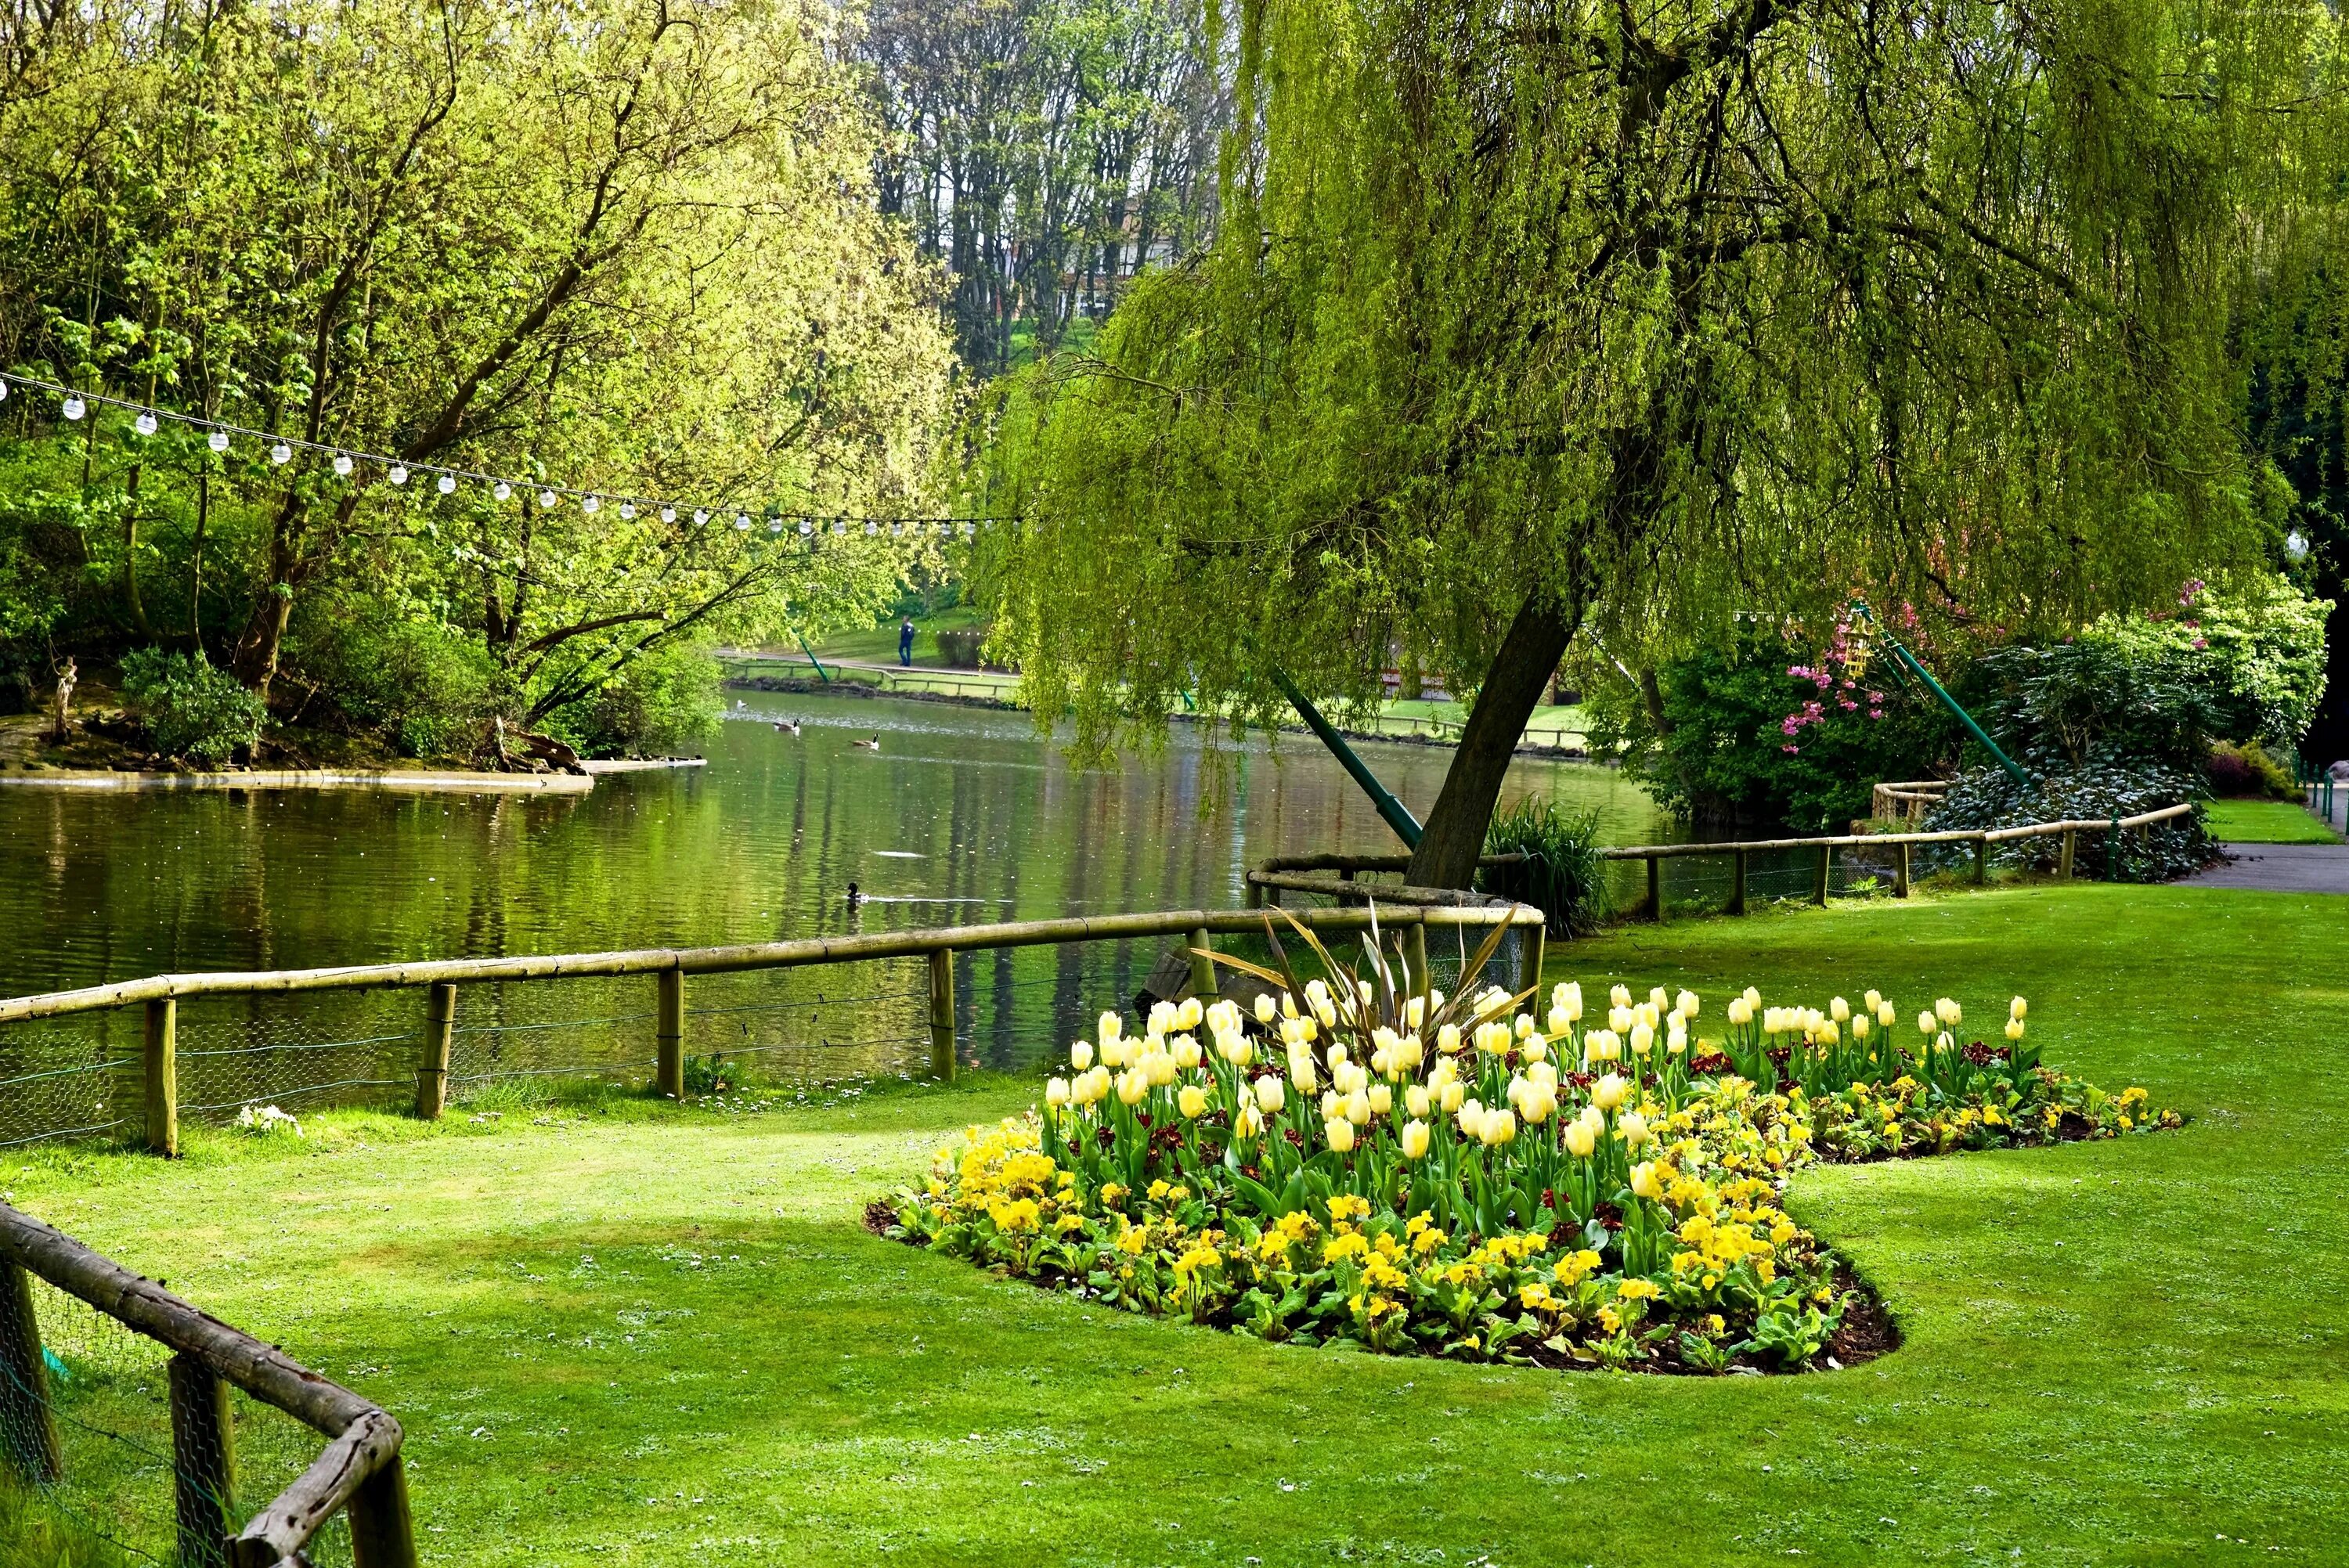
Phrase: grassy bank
{"type": "Point", "coordinates": [2267, 822]}
{"type": "Point", "coordinates": [622, 1336]}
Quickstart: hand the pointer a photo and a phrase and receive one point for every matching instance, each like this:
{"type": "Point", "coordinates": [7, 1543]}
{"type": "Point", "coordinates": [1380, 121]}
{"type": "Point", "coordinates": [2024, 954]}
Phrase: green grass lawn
{"type": "Point", "coordinates": [2267, 822]}
{"type": "Point", "coordinates": [663, 1337]}
{"type": "Point", "coordinates": [878, 644]}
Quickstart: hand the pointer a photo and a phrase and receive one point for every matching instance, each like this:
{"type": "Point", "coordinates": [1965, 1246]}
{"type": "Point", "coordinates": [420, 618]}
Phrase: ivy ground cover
{"type": "Point", "coordinates": [664, 1337]}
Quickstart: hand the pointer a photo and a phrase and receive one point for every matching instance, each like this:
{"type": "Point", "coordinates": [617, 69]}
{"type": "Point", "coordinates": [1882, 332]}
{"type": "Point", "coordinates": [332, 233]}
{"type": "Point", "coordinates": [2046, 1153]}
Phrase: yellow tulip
{"type": "Point", "coordinates": [1686, 1005]}
{"type": "Point", "coordinates": [1886, 1014]}
{"type": "Point", "coordinates": [1132, 1085]}
{"type": "Point", "coordinates": [1634, 1128]}
{"type": "Point", "coordinates": [1874, 999]}
{"type": "Point", "coordinates": [1414, 1139]}
{"type": "Point", "coordinates": [1644, 1183]}
{"type": "Point", "coordinates": [1270, 1096]}
{"type": "Point", "coordinates": [1926, 1023]}
{"type": "Point", "coordinates": [1447, 1039]}
{"type": "Point", "coordinates": [2014, 1028]}
{"type": "Point", "coordinates": [1081, 1055]}
{"type": "Point", "coordinates": [1247, 1123]}
{"type": "Point", "coordinates": [1608, 1092]}
{"type": "Point", "coordinates": [1187, 1017]}
{"type": "Point", "coordinates": [1358, 1109]}
{"type": "Point", "coordinates": [1415, 1099]}
{"type": "Point", "coordinates": [1840, 1010]}
{"type": "Point", "coordinates": [1381, 1099]}
{"type": "Point", "coordinates": [1339, 1133]}
{"type": "Point", "coordinates": [1266, 1010]}
{"type": "Point", "coordinates": [1619, 997]}
{"type": "Point", "coordinates": [1452, 1094]}
{"type": "Point", "coordinates": [1579, 1139]}
{"type": "Point", "coordinates": [1056, 1092]}
{"type": "Point", "coordinates": [1112, 1027]}
{"type": "Point", "coordinates": [1186, 1051]}
{"type": "Point", "coordinates": [1191, 1100]}
{"type": "Point", "coordinates": [2017, 1008]}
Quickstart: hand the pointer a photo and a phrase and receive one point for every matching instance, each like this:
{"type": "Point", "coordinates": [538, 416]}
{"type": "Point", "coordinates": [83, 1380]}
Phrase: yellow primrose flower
{"type": "Point", "coordinates": [1574, 1268]}
{"type": "Point", "coordinates": [1637, 1290]}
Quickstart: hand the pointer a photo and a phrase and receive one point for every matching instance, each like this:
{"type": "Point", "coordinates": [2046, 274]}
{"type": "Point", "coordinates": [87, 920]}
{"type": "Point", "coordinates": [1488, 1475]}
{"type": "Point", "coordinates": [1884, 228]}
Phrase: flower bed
{"type": "Point", "coordinates": [1408, 1172]}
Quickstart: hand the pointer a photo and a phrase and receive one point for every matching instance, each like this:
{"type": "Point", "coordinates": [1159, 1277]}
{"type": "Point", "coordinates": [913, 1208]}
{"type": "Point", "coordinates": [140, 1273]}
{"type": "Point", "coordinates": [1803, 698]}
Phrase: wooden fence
{"type": "Point", "coordinates": [439, 981]}
{"type": "Point", "coordinates": [358, 1474]}
{"type": "Point", "coordinates": [1338, 876]}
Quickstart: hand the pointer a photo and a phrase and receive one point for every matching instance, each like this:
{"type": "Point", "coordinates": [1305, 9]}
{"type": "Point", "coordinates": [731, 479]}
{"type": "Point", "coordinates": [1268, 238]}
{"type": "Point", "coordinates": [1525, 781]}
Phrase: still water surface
{"type": "Point", "coordinates": [963, 815]}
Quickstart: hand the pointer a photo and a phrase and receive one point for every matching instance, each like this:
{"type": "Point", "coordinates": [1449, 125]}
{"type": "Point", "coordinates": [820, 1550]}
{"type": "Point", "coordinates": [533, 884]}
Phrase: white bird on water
{"type": "Point", "coordinates": [872, 745]}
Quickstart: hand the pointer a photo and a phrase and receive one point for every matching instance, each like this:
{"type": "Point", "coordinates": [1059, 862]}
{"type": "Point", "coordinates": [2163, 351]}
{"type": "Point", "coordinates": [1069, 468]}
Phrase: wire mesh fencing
{"type": "Point", "coordinates": [122, 1476]}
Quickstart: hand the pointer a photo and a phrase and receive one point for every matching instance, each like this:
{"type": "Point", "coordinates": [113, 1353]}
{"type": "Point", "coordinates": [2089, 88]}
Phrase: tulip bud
{"type": "Point", "coordinates": [1926, 1024]}
{"type": "Point", "coordinates": [1677, 1041]}
{"type": "Point", "coordinates": [1381, 1099]}
{"type": "Point", "coordinates": [1112, 1027]}
{"type": "Point", "coordinates": [1270, 1096]}
{"type": "Point", "coordinates": [1536, 1048]}
{"type": "Point", "coordinates": [1162, 1018]}
{"type": "Point", "coordinates": [1634, 1128]}
{"type": "Point", "coordinates": [1415, 1099]}
{"type": "Point", "coordinates": [1186, 1052]}
{"type": "Point", "coordinates": [1288, 1006]}
{"type": "Point", "coordinates": [1619, 997]}
{"type": "Point", "coordinates": [1414, 1139]}
{"type": "Point", "coordinates": [1447, 1039]}
{"type": "Point", "coordinates": [1580, 1139]}
{"type": "Point", "coordinates": [1886, 1014]}
{"type": "Point", "coordinates": [1874, 999]}
{"type": "Point", "coordinates": [1452, 1094]}
{"type": "Point", "coordinates": [1741, 1011]}
{"type": "Point", "coordinates": [2017, 1008]}
{"type": "Point", "coordinates": [1056, 1092]}
{"type": "Point", "coordinates": [1415, 1012]}
{"type": "Point", "coordinates": [1191, 1100]}
{"type": "Point", "coordinates": [1753, 996]}
{"type": "Point", "coordinates": [1081, 1055]}
{"type": "Point", "coordinates": [1685, 1005]}
{"type": "Point", "coordinates": [1358, 1109]}
{"type": "Point", "coordinates": [1332, 1103]}
{"type": "Point", "coordinates": [1340, 1133]}
{"type": "Point", "coordinates": [2014, 1028]}
{"type": "Point", "coordinates": [1500, 1127]}
{"type": "Point", "coordinates": [1608, 1092]}
{"type": "Point", "coordinates": [1859, 1027]}
{"type": "Point", "coordinates": [1186, 1016]}
{"type": "Point", "coordinates": [1619, 1018]}
{"type": "Point", "coordinates": [1949, 1012]}
{"type": "Point", "coordinates": [1539, 1101]}
{"type": "Point", "coordinates": [1644, 1183]}
{"type": "Point", "coordinates": [1643, 1039]}
{"type": "Point", "coordinates": [1265, 1008]}
{"type": "Point", "coordinates": [1840, 1010]}
{"type": "Point", "coordinates": [1132, 1085]}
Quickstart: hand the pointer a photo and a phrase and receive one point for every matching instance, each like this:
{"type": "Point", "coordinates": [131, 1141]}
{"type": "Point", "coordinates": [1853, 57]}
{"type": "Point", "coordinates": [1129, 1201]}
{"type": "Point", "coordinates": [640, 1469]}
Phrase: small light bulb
{"type": "Point", "coordinates": [700, 518]}
{"type": "Point", "coordinates": [806, 528]}
{"type": "Point", "coordinates": [742, 522]}
{"type": "Point", "coordinates": [627, 512]}
{"type": "Point", "coordinates": [281, 453]}
{"type": "Point", "coordinates": [669, 514]}
{"type": "Point", "coordinates": [342, 463]}
{"type": "Point", "coordinates": [448, 484]}
{"type": "Point", "coordinates": [839, 525]}
{"type": "Point", "coordinates": [589, 504]}
{"type": "Point", "coordinates": [144, 424]}
{"type": "Point", "coordinates": [545, 498]}
{"type": "Point", "coordinates": [2295, 545]}
{"type": "Point", "coordinates": [503, 490]}
{"type": "Point", "coordinates": [399, 474]}
{"type": "Point", "coordinates": [967, 530]}
{"type": "Point", "coordinates": [4, 391]}
{"type": "Point", "coordinates": [217, 440]}
{"type": "Point", "coordinates": [776, 526]}
{"type": "Point", "coordinates": [75, 408]}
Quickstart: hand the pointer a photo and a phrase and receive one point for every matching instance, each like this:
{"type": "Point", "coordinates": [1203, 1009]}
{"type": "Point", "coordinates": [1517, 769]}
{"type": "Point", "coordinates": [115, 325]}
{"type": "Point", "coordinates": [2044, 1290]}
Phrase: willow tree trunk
{"type": "Point", "coordinates": [1454, 837]}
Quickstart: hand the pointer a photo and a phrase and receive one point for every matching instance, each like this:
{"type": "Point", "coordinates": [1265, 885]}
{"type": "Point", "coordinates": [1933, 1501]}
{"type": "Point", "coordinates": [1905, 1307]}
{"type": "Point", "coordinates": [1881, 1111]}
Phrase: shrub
{"type": "Point", "coordinates": [2247, 771]}
{"type": "Point", "coordinates": [421, 687]}
{"type": "Point", "coordinates": [1477, 1185]}
{"type": "Point", "coordinates": [1764, 731]}
{"type": "Point", "coordinates": [960, 648]}
{"type": "Point", "coordinates": [1988, 798]}
{"type": "Point", "coordinates": [661, 701]}
{"type": "Point", "coordinates": [191, 709]}
{"type": "Point", "coordinates": [1560, 876]}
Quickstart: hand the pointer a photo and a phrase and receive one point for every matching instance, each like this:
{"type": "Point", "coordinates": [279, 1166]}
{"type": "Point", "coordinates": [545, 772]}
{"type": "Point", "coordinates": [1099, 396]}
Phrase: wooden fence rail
{"type": "Point", "coordinates": [358, 1473]}
{"type": "Point", "coordinates": [1294, 871]}
{"type": "Point", "coordinates": [160, 995]}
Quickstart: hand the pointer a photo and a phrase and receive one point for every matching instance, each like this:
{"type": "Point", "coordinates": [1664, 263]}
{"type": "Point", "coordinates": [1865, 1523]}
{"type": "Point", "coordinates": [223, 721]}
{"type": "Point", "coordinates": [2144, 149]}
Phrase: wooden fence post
{"type": "Point", "coordinates": [432, 1078]}
{"type": "Point", "coordinates": [2063, 863]}
{"type": "Point", "coordinates": [28, 1433]}
{"type": "Point", "coordinates": [161, 1059]}
{"type": "Point", "coordinates": [1416, 950]}
{"type": "Point", "coordinates": [1536, 946]}
{"type": "Point", "coordinates": [1737, 884]}
{"type": "Point", "coordinates": [1900, 871]}
{"type": "Point", "coordinates": [942, 1014]}
{"type": "Point", "coordinates": [203, 1462]}
{"type": "Point", "coordinates": [383, 1530]}
{"type": "Point", "coordinates": [1203, 969]}
{"type": "Point", "coordinates": [669, 1071]}
{"type": "Point", "coordinates": [1827, 873]}
{"type": "Point", "coordinates": [1656, 889]}
{"type": "Point", "coordinates": [1981, 859]}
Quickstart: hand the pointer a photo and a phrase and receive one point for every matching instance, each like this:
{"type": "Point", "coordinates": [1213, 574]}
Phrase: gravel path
{"type": "Point", "coordinates": [2280, 868]}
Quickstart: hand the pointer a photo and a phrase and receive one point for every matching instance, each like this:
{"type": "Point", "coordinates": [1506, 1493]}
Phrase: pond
{"type": "Point", "coordinates": [963, 815]}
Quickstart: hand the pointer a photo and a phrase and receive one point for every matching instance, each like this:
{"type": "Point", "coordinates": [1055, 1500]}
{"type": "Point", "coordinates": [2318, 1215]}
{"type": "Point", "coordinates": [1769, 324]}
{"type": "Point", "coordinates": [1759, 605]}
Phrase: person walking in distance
{"type": "Point", "coordinates": [905, 643]}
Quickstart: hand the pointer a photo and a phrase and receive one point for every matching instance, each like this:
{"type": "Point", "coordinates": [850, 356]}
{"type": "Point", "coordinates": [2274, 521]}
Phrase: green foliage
{"type": "Point", "coordinates": [1716, 745]}
{"type": "Point", "coordinates": [658, 703]}
{"type": "Point", "coordinates": [1561, 875]}
{"type": "Point", "coordinates": [620, 249]}
{"type": "Point", "coordinates": [191, 709]}
{"type": "Point", "coordinates": [35, 1535]}
{"type": "Point", "coordinates": [423, 687]}
{"type": "Point", "coordinates": [2093, 791]}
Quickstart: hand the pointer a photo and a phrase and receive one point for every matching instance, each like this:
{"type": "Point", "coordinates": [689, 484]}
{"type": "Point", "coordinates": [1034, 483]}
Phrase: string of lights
{"type": "Point", "coordinates": [222, 438]}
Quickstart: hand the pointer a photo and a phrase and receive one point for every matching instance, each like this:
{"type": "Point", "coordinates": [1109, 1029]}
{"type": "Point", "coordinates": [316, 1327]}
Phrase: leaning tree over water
{"type": "Point", "coordinates": [1621, 317]}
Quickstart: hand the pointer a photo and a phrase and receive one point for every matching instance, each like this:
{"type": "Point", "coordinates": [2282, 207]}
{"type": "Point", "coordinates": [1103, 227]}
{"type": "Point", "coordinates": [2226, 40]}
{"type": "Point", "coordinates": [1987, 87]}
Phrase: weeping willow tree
{"type": "Point", "coordinates": [1623, 317]}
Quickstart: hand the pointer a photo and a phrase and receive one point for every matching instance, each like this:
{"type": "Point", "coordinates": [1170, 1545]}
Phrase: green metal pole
{"type": "Point", "coordinates": [1398, 815]}
{"type": "Point", "coordinates": [811, 658]}
{"type": "Point", "coordinates": [1922, 674]}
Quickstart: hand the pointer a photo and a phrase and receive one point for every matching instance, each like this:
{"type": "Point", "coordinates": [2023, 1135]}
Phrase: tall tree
{"type": "Point", "coordinates": [1628, 317]}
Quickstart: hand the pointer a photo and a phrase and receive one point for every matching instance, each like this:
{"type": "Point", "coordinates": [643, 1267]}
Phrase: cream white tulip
{"type": "Point", "coordinates": [1339, 1133]}
{"type": "Point", "coordinates": [1192, 1101]}
{"type": "Point", "coordinates": [2018, 1008]}
{"type": "Point", "coordinates": [1081, 1055]}
{"type": "Point", "coordinates": [1270, 1096]}
{"type": "Point", "coordinates": [1417, 1099]}
{"type": "Point", "coordinates": [1414, 1139]}
{"type": "Point", "coordinates": [1381, 1099]}
{"type": "Point", "coordinates": [1265, 1008]}
{"type": "Point", "coordinates": [1580, 1140]}
{"type": "Point", "coordinates": [1840, 1010]}
{"type": "Point", "coordinates": [1056, 1092]}
{"type": "Point", "coordinates": [1608, 1093]}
